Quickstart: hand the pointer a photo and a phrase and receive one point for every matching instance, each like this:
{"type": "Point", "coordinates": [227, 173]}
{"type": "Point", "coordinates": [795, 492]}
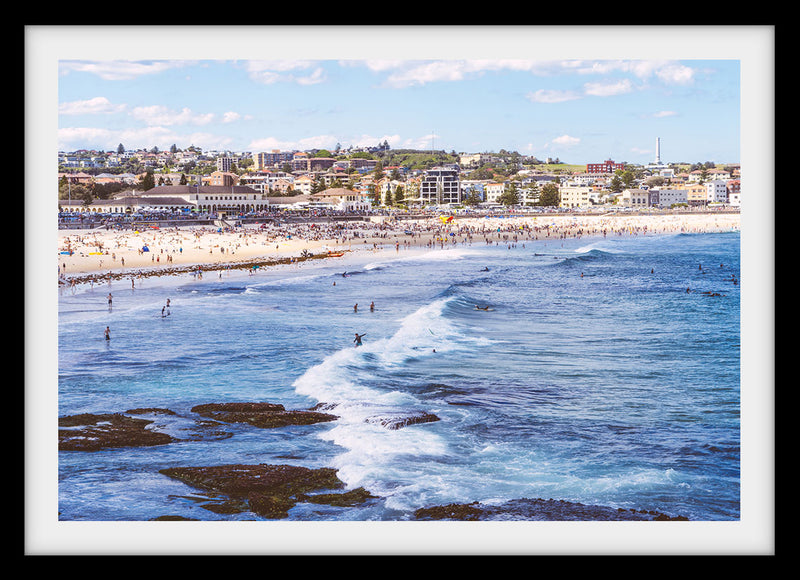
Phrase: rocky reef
{"type": "Point", "coordinates": [89, 432]}
{"type": "Point", "coordinates": [269, 491]}
{"type": "Point", "coordinates": [263, 415]}
{"type": "Point", "coordinates": [537, 510]}
{"type": "Point", "coordinates": [92, 432]}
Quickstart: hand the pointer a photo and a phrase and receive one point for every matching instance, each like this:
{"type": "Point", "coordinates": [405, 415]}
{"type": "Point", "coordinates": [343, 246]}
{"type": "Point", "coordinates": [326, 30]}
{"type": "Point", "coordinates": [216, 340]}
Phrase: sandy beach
{"type": "Point", "coordinates": [86, 255]}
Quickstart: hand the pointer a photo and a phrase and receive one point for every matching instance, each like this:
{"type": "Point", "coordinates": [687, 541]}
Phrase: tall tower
{"type": "Point", "coordinates": [658, 150]}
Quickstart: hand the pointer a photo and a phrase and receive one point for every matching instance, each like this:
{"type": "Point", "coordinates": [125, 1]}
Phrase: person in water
{"type": "Point", "coordinates": [357, 339]}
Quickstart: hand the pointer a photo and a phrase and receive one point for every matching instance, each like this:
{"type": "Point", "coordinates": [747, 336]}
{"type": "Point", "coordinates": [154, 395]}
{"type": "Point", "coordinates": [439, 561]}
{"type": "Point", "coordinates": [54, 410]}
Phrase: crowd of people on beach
{"type": "Point", "coordinates": [91, 255]}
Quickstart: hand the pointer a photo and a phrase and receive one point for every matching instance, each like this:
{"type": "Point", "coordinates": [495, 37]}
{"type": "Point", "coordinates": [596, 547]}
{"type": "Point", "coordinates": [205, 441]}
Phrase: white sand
{"type": "Point", "coordinates": [101, 252]}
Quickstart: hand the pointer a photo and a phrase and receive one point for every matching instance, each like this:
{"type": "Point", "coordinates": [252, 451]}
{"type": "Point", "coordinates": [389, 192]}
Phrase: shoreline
{"type": "Point", "coordinates": [105, 255]}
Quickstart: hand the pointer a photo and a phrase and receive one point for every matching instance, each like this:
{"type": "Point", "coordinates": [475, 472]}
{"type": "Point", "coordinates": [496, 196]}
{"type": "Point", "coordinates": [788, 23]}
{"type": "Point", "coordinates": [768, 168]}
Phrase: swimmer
{"type": "Point", "coordinates": [358, 337]}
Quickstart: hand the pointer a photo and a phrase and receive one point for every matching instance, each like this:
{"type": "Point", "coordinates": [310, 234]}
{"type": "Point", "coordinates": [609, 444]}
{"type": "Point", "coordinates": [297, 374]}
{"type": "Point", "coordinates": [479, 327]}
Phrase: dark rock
{"type": "Point", "coordinates": [263, 415]}
{"type": "Point", "coordinates": [89, 432]}
{"type": "Point", "coordinates": [347, 499]}
{"type": "Point", "coordinates": [150, 411]}
{"type": "Point", "coordinates": [538, 510]}
{"type": "Point", "coordinates": [267, 490]}
{"type": "Point", "coordinates": [398, 422]}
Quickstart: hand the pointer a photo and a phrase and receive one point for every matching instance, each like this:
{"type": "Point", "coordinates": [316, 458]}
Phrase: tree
{"type": "Point", "coordinates": [318, 184]}
{"type": "Point", "coordinates": [472, 198]}
{"type": "Point", "coordinates": [549, 195]}
{"type": "Point", "coordinates": [378, 171]}
{"type": "Point", "coordinates": [147, 181]}
{"type": "Point", "coordinates": [120, 149]}
{"type": "Point", "coordinates": [509, 196]}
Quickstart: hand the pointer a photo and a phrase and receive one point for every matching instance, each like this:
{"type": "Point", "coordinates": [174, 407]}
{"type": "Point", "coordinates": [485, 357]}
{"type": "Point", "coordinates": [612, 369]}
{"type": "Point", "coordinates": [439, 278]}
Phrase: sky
{"type": "Point", "coordinates": [578, 110]}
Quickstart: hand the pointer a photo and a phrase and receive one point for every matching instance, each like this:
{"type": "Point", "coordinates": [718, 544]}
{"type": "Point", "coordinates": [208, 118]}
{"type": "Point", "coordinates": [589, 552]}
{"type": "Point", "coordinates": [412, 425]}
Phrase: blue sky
{"type": "Point", "coordinates": [579, 110]}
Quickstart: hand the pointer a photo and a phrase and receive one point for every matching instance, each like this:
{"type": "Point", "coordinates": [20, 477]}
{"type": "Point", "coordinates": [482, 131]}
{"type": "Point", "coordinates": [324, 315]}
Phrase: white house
{"type": "Point", "coordinates": [635, 198]}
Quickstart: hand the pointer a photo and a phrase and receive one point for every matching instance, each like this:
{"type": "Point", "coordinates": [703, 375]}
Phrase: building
{"type": "Point", "coordinates": [669, 197]}
{"type": "Point", "coordinates": [221, 178]}
{"type": "Point", "coordinates": [717, 191]}
{"type": "Point", "coordinates": [493, 191]}
{"type": "Point", "coordinates": [207, 199]}
{"type": "Point", "coordinates": [473, 160]}
{"type": "Point", "coordinates": [342, 199]}
{"type": "Point", "coordinates": [607, 166]}
{"type": "Point", "coordinates": [635, 198]}
{"type": "Point", "coordinates": [225, 164]}
{"type": "Point", "coordinates": [273, 158]}
{"type": "Point", "coordinates": [575, 196]}
{"type": "Point", "coordinates": [695, 194]}
{"type": "Point", "coordinates": [440, 186]}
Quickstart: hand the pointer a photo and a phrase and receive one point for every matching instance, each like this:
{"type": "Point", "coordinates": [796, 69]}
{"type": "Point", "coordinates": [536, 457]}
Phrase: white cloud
{"type": "Point", "coordinates": [117, 70]}
{"type": "Point", "coordinates": [160, 115]}
{"type": "Point", "coordinates": [549, 96]}
{"type": "Point", "coordinates": [70, 138]}
{"type": "Point", "coordinates": [675, 74]}
{"type": "Point", "coordinates": [663, 114]}
{"type": "Point", "coordinates": [317, 76]}
{"type": "Point", "coordinates": [608, 89]}
{"type": "Point", "coordinates": [267, 72]}
{"type": "Point", "coordinates": [97, 105]}
{"type": "Point", "coordinates": [566, 141]}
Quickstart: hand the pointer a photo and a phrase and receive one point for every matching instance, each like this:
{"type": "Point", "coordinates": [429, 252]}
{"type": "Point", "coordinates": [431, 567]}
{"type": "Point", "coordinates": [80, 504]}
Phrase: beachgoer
{"type": "Point", "coordinates": [355, 308]}
{"type": "Point", "coordinates": [372, 307]}
{"type": "Point", "coordinates": [357, 339]}
{"type": "Point", "coordinates": [109, 300]}
{"type": "Point", "coordinates": [108, 333]}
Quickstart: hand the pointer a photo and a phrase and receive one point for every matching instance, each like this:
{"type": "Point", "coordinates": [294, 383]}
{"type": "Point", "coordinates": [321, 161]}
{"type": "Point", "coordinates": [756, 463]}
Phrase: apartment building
{"type": "Point", "coordinates": [440, 186]}
{"type": "Point", "coordinates": [717, 191]}
{"type": "Point", "coordinates": [575, 196]}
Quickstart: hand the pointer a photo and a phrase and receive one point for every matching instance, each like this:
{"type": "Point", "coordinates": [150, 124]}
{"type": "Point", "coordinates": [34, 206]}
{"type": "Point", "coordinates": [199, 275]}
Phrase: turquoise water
{"type": "Point", "coordinates": [593, 377]}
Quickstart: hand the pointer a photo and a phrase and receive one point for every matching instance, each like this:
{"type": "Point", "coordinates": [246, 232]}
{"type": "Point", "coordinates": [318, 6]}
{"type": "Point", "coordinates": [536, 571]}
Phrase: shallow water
{"type": "Point", "coordinates": [593, 377]}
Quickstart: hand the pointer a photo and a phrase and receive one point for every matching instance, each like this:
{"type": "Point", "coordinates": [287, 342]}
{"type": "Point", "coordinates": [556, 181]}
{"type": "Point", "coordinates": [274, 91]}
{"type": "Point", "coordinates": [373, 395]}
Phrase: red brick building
{"type": "Point", "coordinates": [607, 166]}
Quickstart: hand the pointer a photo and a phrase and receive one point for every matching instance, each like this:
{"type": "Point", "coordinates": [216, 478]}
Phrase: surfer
{"type": "Point", "coordinates": [481, 308]}
{"type": "Point", "coordinates": [357, 339]}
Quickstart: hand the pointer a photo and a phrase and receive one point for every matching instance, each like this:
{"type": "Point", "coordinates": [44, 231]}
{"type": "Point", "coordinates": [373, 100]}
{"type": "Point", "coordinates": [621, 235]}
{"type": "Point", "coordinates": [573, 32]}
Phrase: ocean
{"type": "Point", "coordinates": [603, 372]}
